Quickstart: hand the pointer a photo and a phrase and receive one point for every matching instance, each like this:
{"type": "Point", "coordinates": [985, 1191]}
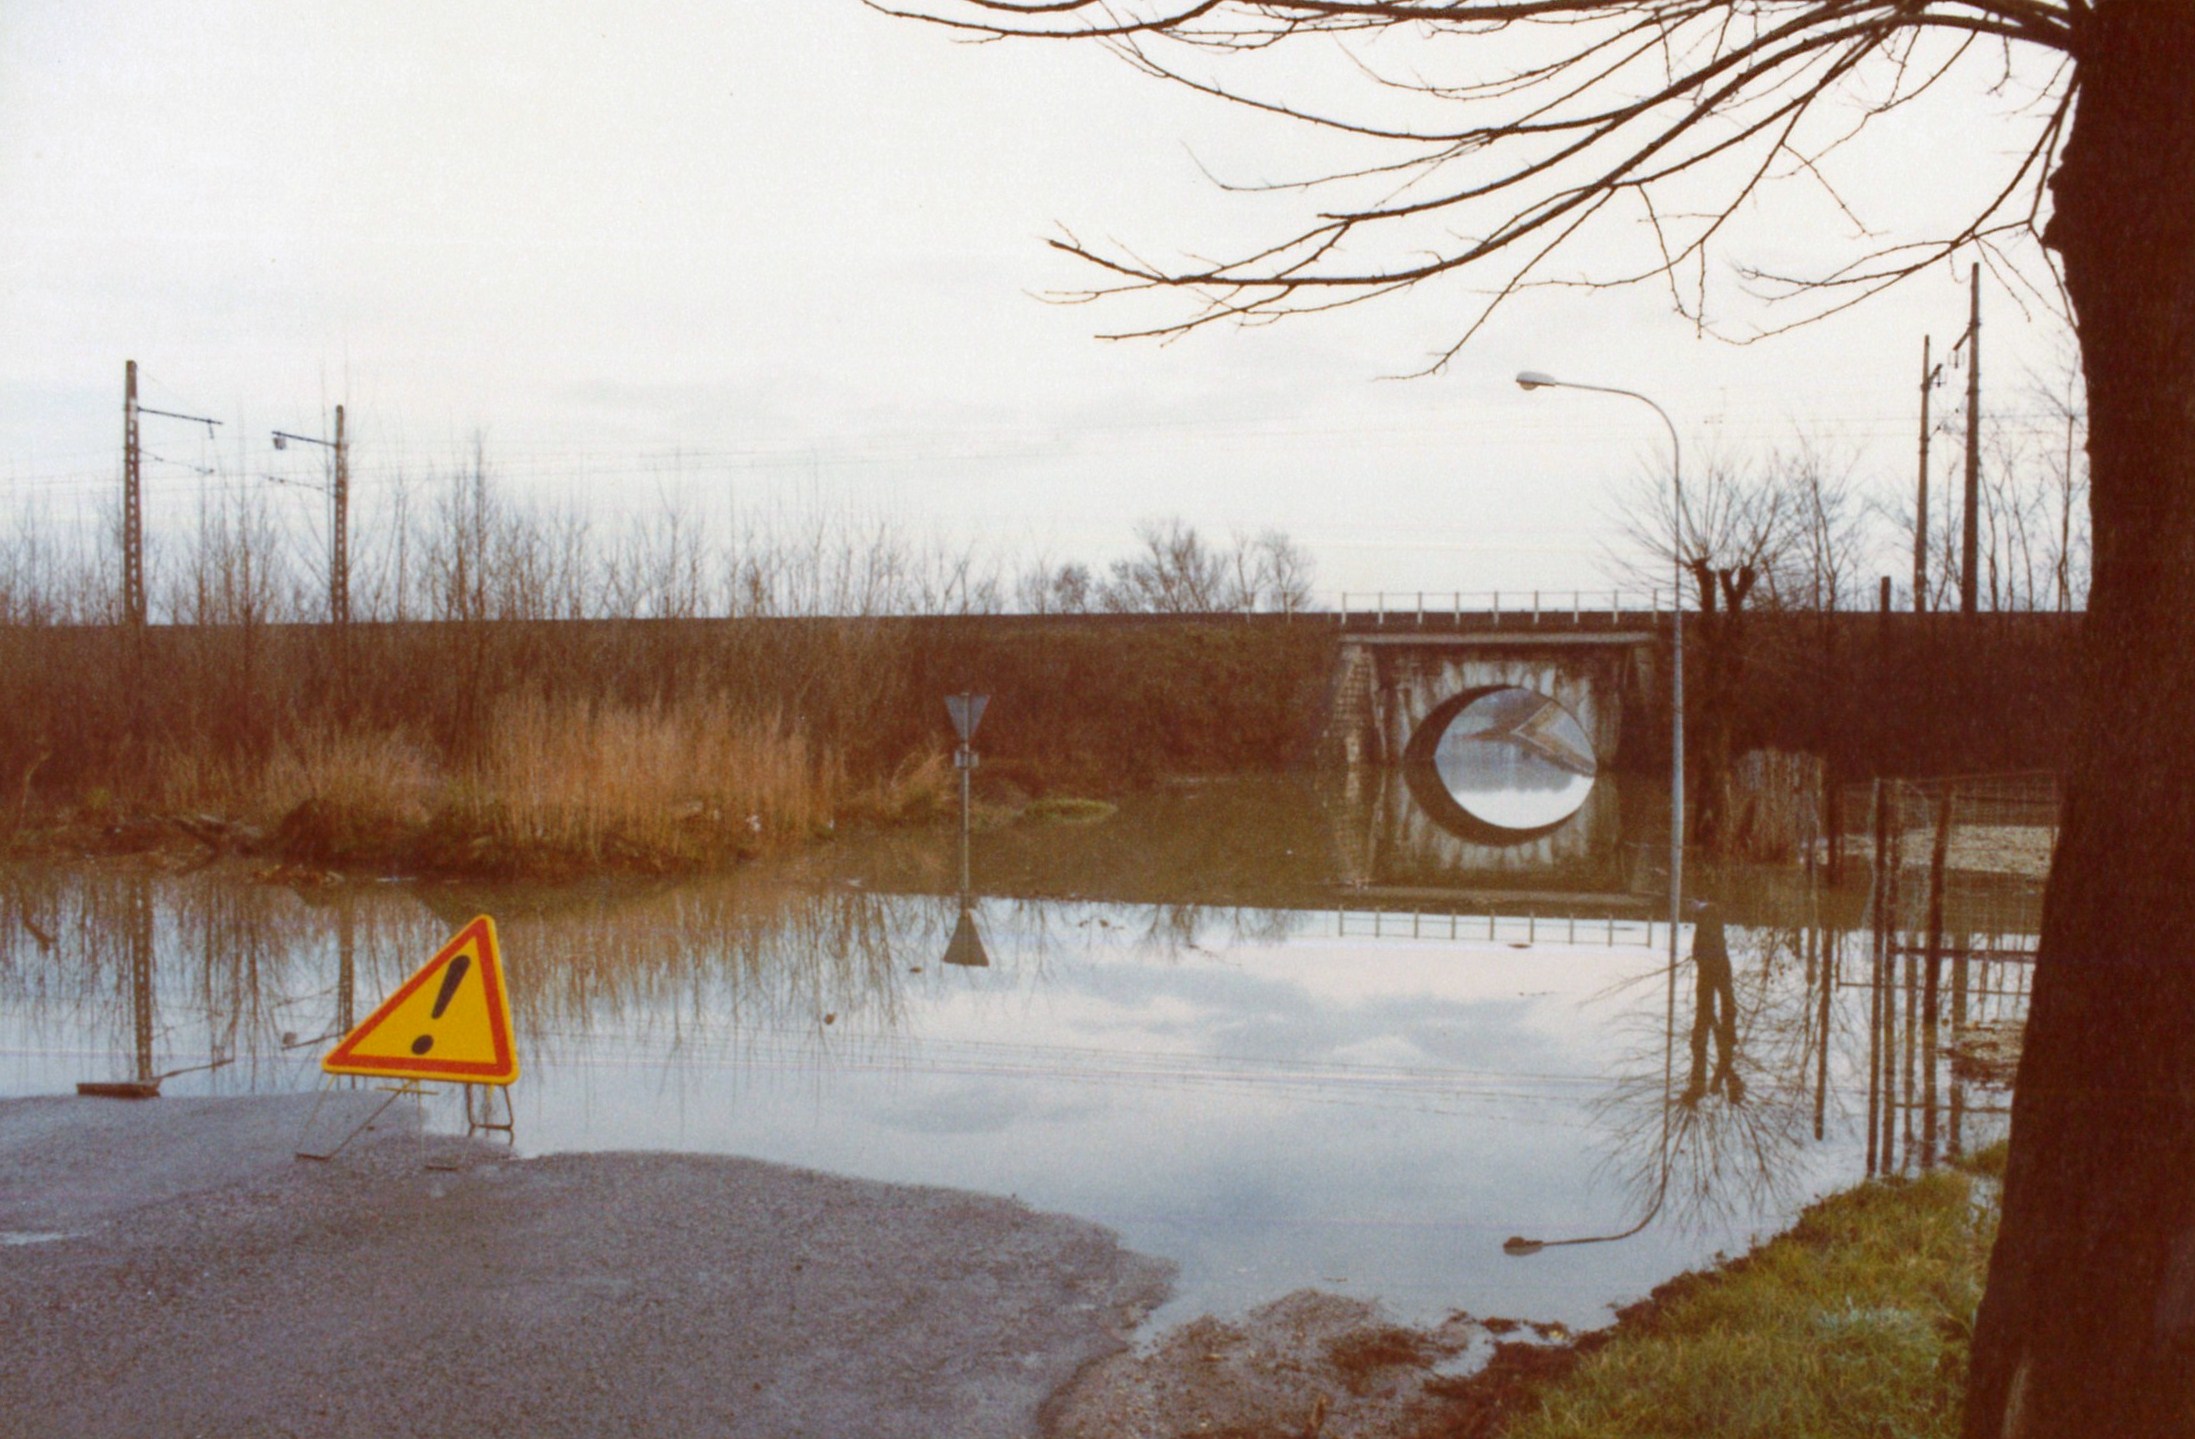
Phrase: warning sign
{"type": "Point", "coordinates": [451, 1020]}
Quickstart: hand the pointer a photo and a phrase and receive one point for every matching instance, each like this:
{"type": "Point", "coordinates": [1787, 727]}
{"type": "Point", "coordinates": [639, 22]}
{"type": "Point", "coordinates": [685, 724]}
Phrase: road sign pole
{"type": "Point", "coordinates": [966, 711]}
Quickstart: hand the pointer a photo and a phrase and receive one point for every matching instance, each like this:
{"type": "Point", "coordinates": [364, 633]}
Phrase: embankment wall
{"type": "Point", "coordinates": [1091, 701]}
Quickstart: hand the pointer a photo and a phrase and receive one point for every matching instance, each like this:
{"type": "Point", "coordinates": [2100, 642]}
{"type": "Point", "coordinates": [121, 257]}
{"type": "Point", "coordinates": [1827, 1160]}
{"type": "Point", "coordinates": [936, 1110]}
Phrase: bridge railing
{"type": "Point", "coordinates": [1519, 929]}
{"type": "Point", "coordinates": [1406, 608]}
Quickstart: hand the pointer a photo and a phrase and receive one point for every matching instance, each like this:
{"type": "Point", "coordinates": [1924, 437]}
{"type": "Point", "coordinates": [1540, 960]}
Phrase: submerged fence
{"type": "Point", "coordinates": [1954, 919]}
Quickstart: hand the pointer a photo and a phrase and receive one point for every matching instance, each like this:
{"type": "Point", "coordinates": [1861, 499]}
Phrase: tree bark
{"type": "Point", "coordinates": [2088, 1324]}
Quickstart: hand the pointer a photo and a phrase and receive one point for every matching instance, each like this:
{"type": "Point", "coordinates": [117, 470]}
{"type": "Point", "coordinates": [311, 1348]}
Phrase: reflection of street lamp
{"type": "Point", "coordinates": [1535, 380]}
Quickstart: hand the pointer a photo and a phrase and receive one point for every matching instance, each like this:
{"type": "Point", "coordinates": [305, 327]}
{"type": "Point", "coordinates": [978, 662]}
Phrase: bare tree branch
{"type": "Point", "coordinates": [1691, 106]}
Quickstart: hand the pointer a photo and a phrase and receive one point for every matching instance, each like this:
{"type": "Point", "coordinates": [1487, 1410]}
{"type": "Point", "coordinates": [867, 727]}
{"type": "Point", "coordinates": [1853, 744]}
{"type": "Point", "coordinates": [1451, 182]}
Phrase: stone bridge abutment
{"type": "Point", "coordinates": [1387, 687]}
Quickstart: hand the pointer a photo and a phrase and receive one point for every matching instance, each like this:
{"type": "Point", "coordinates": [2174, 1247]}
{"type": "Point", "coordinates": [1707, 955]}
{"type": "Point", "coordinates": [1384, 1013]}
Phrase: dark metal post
{"type": "Point", "coordinates": [133, 505]}
{"type": "Point", "coordinates": [1875, 993]}
{"type": "Point", "coordinates": [1932, 984]}
{"type": "Point", "coordinates": [1829, 949]}
{"type": "Point", "coordinates": [1920, 497]}
{"type": "Point", "coordinates": [965, 757]}
{"type": "Point", "coordinates": [141, 976]}
{"type": "Point", "coordinates": [133, 494]}
{"type": "Point", "coordinates": [966, 712]}
{"type": "Point", "coordinates": [1969, 565]}
{"type": "Point", "coordinates": [1887, 936]}
{"type": "Point", "coordinates": [339, 532]}
{"type": "Point", "coordinates": [346, 967]}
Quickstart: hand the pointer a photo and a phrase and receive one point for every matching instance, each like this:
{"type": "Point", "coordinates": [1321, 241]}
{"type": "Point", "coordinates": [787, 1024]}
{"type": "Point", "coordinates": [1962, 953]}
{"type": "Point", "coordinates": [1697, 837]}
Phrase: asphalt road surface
{"type": "Point", "coordinates": [168, 1268]}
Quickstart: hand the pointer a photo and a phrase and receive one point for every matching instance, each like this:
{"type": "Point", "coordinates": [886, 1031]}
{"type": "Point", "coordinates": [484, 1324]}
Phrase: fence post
{"type": "Point", "coordinates": [1932, 981]}
{"type": "Point", "coordinates": [1876, 1161]}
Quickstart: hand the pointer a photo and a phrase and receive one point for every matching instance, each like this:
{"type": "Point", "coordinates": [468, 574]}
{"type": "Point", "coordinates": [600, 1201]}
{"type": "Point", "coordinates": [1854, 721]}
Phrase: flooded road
{"type": "Point", "coordinates": [1233, 1022]}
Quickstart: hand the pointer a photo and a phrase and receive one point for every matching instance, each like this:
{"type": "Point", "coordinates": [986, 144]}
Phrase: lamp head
{"type": "Point", "coordinates": [280, 443]}
{"type": "Point", "coordinates": [1534, 379]}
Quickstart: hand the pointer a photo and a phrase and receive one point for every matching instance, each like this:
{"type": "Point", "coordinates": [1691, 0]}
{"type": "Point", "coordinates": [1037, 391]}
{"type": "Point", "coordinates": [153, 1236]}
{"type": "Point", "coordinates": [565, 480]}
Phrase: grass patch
{"type": "Point", "coordinates": [1854, 1323]}
{"type": "Point", "coordinates": [1066, 809]}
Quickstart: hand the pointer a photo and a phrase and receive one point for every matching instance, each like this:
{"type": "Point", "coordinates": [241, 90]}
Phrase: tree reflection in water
{"type": "Point", "coordinates": [1732, 1141]}
{"type": "Point", "coordinates": [1725, 1107]}
{"type": "Point", "coordinates": [130, 971]}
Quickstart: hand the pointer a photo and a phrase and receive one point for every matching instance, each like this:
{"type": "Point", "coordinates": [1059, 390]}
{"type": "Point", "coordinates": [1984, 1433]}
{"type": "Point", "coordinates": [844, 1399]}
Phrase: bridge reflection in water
{"type": "Point", "coordinates": [1397, 829]}
{"type": "Point", "coordinates": [1193, 1027]}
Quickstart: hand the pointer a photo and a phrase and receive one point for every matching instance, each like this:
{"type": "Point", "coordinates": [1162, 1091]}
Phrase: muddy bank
{"type": "Point", "coordinates": [318, 844]}
{"type": "Point", "coordinates": [170, 1269]}
{"type": "Point", "coordinates": [1321, 1365]}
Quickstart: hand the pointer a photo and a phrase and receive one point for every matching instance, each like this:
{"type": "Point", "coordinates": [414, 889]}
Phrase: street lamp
{"type": "Point", "coordinates": [1537, 380]}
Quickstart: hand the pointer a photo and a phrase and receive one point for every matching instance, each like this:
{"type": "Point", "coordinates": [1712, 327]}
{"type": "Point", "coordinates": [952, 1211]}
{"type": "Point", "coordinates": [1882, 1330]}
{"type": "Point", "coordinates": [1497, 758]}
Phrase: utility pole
{"type": "Point", "coordinates": [133, 506]}
{"type": "Point", "coordinates": [339, 532]}
{"type": "Point", "coordinates": [339, 526]}
{"type": "Point", "coordinates": [1920, 502]}
{"type": "Point", "coordinates": [133, 494]}
{"type": "Point", "coordinates": [1969, 559]}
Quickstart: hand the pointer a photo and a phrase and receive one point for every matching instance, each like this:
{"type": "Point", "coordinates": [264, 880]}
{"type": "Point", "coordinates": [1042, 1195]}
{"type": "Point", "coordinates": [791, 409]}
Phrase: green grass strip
{"type": "Point", "coordinates": [1854, 1323]}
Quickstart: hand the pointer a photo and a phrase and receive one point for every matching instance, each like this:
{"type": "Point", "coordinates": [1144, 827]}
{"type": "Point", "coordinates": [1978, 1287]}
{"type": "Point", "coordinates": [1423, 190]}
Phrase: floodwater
{"type": "Point", "coordinates": [1515, 759]}
{"type": "Point", "coordinates": [1235, 1022]}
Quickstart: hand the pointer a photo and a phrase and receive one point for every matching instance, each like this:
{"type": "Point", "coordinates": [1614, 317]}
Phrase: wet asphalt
{"type": "Point", "coordinates": [168, 1268]}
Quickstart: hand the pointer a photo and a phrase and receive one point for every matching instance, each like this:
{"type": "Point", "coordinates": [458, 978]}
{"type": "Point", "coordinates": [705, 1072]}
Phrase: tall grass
{"type": "Point", "coordinates": [558, 784]}
{"type": "Point", "coordinates": [378, 780]}
{"type": "Point", "coordinates": [522, 686]}
{"type": "Point", "coordinates": [572, 780]}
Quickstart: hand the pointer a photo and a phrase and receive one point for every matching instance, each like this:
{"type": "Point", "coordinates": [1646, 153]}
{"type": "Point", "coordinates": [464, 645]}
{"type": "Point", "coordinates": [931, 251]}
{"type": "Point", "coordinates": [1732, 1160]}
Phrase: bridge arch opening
{"type": "Point", "coordinates": [1500, 764]}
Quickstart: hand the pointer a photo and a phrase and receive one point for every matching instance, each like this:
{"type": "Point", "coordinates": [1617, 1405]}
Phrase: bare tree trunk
{"type": "Point", "coordinates": [2088, 1325]}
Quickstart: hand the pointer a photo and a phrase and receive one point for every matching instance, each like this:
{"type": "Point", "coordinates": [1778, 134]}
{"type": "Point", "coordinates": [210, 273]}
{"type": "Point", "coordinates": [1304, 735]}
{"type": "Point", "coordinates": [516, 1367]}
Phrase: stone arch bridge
{"type": "Point", "coordinates": [1393, 691]}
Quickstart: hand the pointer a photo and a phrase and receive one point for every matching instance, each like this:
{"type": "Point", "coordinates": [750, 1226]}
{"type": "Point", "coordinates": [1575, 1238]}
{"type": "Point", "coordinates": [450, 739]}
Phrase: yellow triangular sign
{"type": "Point", "coordinates": [451, 1020]}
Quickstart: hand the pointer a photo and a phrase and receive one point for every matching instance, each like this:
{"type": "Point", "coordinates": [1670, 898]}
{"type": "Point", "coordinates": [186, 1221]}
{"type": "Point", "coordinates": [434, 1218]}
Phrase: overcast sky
{"type": "Point", "coordinates": [773, 255]}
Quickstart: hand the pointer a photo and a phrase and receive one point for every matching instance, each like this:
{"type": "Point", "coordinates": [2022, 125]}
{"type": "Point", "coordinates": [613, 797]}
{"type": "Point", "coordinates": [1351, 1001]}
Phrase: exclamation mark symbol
{"type": "Point", "coordinates": [453, 976]}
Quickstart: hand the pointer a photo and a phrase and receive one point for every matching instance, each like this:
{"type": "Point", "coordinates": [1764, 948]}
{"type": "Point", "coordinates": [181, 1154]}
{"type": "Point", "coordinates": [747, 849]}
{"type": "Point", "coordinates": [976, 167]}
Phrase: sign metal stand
{"type": "Point", "coordinates": [450, 1021]}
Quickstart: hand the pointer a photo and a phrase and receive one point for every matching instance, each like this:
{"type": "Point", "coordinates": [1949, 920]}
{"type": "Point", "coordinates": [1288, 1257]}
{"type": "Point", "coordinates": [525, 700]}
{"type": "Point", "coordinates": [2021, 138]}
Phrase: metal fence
{"type": "Point", "coordinates": [1972, 851]}
{"type": "Point", "coordinates": [1954, 918]}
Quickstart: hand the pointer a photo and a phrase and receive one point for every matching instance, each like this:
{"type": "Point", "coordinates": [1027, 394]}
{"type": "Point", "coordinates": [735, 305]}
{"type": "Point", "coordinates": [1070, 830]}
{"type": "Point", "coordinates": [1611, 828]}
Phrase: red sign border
{"type": "Point", "coordinates": [503, 1069]}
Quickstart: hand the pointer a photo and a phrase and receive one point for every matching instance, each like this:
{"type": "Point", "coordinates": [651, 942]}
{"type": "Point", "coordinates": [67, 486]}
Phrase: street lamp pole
{"type": "Point", "coordinates": [1536, 380]}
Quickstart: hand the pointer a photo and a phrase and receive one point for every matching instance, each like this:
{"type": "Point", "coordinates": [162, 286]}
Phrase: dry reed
{"type": "Point", "coordinates": [652, 784]}
{"type": "Point", "coordinates": [518, 687]}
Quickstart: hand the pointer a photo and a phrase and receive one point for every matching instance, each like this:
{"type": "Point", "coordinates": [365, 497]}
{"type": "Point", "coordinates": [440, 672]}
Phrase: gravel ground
{"type": "Point", "coordinates": [169, 1269]}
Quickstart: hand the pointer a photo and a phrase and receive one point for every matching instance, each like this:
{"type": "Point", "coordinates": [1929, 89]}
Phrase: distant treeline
{"type": "Point", "coordinates": [454, 546]}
